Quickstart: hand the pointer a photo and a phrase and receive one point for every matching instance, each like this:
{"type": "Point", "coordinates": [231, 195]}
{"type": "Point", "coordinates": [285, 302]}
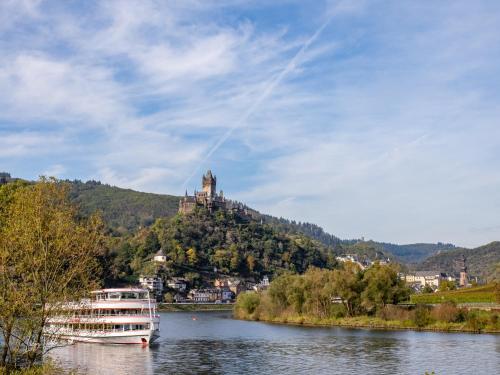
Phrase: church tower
{"type": "Point", "coordinates": [209, 183]}
{"type": "Point", "coordinates": [464, 279]}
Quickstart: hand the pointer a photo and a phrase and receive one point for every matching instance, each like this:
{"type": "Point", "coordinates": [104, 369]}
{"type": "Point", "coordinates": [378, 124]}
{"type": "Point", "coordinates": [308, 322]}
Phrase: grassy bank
{"type": "Point", "coordinates": [481, 294]}
{"type": "Point", "coordinates": [373, 322]}
{"type": "Point", "coordinates": [445, 317]}
{"type": "Point", "coordinates": [176, 307]}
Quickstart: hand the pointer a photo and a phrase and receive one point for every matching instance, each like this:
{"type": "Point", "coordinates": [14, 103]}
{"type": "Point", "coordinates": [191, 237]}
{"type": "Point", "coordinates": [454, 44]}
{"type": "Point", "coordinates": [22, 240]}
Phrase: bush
{"type": "Point", "coordinates": [248, 302]}
{"type": "Point", "coordinates": [494, 319]}
{"type": "Point", "coordinates": [476, 321]}
{"type": "Point", "coordinates": [338, 311]}
{"type": "Point", "coordinates": [421, 316]}
{"type": "Point", "coordinates": [392, 312]}
{"type": "Point", "coordinates": [446, 312]}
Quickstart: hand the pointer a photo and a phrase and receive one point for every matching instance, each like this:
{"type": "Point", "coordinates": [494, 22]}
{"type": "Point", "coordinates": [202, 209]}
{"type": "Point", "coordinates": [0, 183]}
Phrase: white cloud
{"type": "Point", "coordinates": [387, 127]}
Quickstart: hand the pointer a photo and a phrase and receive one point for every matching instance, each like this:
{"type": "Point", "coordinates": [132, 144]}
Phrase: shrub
{"type": "Point", "coordinates": [445, 312]}
{"type": "Point", "coordinates": [494, 319]}
{"type": "Point", "coordinates": [338, 311]}
{"type": "Point", "coordinates": [476, 321]}
{"type": "Point", "coordinates": [421, 316]}
{"type": "Point", "coordinates": [392, 312]}
{"type": "Point", "coordinates": [248, 302]}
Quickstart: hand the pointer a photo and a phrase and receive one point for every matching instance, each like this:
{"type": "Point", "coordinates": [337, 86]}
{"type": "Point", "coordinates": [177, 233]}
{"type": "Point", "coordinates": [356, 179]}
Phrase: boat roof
{"type": "Point", "coordinates": [111, 290]}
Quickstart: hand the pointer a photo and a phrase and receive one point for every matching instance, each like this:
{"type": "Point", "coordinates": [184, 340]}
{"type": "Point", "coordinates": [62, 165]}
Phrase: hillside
{"type": "Point", "coordinates": [122, 209]}
{"type": "Point", "coordinates": [201, 245]}
{"type": "Point", "coordinates": [480, 294]}
{"type": "Point", "coordinates": [127, 212]}
{"type": "Point", "coordinates": [311, 230]}
{"type": "Point", "coordinates": [414, 253]}
{"type": "Point", "coordinates": [482, 261]}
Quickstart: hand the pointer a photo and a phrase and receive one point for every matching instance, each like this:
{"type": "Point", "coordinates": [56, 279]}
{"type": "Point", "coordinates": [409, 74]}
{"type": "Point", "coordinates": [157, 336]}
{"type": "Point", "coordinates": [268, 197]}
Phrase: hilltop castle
{"type": "Point", "coordinates": [209, 199]}
{"type": "Point", "coordinates": [5, 178]}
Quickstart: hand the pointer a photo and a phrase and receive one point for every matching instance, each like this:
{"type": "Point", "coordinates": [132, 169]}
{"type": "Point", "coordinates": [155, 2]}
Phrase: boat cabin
{"type": "Point", "coordinates": [121, 294]}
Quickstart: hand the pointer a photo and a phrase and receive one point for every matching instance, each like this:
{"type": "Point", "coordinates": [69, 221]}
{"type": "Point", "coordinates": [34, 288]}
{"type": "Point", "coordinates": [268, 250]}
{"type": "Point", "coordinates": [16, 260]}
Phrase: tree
{"type": "Point", "coordinates": [235, 257]}
{"type": "Point", "coordinates": [192, 256]}
{"type": "Point", "coordinates": [382, 286]}
{"type": "Point", "coordinates": [445, 285]}
{"type": "Point", "coordinates": [251, 262]}
{"type": "Point", "coordinates": [47, 256]}
{"type": "Point", "coordinates": [348, 285]}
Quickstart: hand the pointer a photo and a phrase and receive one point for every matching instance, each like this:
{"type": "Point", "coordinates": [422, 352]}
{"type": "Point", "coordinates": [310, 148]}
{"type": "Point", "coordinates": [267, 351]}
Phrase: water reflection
{"type": "Point", "coordinates": [105, 359]}
{"type": "Point", "coordinates": [214, 343]}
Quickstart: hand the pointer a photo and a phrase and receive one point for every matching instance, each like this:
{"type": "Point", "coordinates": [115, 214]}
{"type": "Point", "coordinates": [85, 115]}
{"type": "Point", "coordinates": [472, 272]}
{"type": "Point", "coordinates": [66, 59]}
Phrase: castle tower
{"type": "Point", "coordinates": [4, 177]}
{"type": "Point", "coordinates": [209, 183]}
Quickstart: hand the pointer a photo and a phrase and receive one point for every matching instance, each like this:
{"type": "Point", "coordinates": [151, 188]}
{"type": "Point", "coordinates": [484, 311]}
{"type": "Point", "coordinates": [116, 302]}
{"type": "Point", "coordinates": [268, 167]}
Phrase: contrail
{"type": "Point", "coordinates": [265, 93]}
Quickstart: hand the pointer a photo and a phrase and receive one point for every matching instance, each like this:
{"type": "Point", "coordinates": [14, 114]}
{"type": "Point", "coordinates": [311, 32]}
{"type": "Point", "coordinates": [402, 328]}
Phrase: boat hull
{"type": "Point", "coordinates": [136, 338]}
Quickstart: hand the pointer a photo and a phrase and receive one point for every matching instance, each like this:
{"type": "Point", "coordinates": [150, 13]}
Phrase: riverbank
{"type": "Point", "coordinates": [179, 307]}
{"type": "Point", "coordinates": [367, 322]}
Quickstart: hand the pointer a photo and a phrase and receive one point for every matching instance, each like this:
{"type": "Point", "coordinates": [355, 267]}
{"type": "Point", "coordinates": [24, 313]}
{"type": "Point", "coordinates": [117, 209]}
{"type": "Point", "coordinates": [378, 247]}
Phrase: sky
{"type": "Point", "coordinates": [374, 119]}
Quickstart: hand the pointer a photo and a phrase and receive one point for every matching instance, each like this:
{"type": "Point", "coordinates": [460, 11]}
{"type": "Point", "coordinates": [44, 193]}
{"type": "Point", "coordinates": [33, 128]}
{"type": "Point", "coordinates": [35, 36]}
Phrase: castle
{"type": "Point", "coordinates": [4, 178]}
{"type": "Point", "coordinates": [209, 199]}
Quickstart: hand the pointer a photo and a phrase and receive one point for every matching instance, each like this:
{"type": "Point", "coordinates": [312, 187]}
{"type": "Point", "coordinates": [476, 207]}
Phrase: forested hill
{"type": "Point", "coordinates": [127, 210]}
{"type": "Point", "coordinates": [483, 261]}
{"type": "Point", "coordinates": [312, 230]}
{"type": "Point", "coordinates": [414, 253]}
{"type": "Point", "coordinates": [123, 210]}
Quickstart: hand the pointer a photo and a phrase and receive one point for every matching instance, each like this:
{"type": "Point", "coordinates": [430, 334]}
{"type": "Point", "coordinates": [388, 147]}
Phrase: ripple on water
{"type": "Point", "coordinates": [213, 343]}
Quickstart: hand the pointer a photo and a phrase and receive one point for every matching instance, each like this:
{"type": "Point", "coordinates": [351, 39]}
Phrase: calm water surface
{"type": "Point", "coordinates": [215, 343]}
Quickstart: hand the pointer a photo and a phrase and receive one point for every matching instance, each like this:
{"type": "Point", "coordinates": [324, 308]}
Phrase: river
{"type": "Point", "coordinates": [215, 343]}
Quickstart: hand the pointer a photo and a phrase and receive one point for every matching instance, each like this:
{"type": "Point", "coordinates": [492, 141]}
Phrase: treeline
{"type": "Point", "coordinates": [201, 242]}
{"type": "Point", "coordinates": [311, 230]}
{"type": "Point", "coordinates": [356, 298]}
{"type": "Point", "coordinates": [348, 291]}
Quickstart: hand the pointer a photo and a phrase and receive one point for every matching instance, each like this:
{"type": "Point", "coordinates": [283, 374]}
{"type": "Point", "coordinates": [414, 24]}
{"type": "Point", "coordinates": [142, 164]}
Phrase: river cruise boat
{"type": "Point", "coordinates": [111, 316]}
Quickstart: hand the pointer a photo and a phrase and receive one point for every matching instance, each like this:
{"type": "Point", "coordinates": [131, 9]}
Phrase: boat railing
{"type": "Point", "coordinates": [144, 314]}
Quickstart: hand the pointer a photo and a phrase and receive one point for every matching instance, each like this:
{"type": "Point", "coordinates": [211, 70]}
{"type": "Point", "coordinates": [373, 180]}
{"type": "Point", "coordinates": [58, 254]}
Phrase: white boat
{"type": "Point", "coordinates": [112, 316]}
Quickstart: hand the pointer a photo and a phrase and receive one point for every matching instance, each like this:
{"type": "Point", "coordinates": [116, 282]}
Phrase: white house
{"type": "Point", "coordinates": [423, 278]}
{"type": "Point", "coordinates": [177, 284]}
{"type": "Point", "coordinates": [153, 283]}
{"type": "Point", "coordinates": [160, 256]}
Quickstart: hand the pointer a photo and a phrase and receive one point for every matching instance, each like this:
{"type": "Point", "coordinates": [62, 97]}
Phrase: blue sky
{"type": "Point", "coordinates": [370, 118]}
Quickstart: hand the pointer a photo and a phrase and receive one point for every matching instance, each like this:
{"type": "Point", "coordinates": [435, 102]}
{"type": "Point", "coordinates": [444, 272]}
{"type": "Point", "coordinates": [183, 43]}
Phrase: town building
{"type": "Point", "coordinates": [233, 284]}
{"type": "Point", "coordinates": [160, 256]}
{"type": "Point", "coordinates": [263, 285]}
{"type": "Point", "coordinates": [209, 295]}
{"type": "Point", "coordinates": [352, 259]}
{"type": "Point", "coordinates": [423, 278]}
{"type": "Point", "coordinates": [177, 284]}
{"type": "Point", "coordinates": [153, 283]}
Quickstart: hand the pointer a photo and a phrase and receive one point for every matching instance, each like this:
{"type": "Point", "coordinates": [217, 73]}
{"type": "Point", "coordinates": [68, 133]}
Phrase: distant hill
{"type": "Point", "coordinates": [122, 209]}
{"type": "Point", "coordinates": [311, 230]}
{"type": "Point", "coordinates": [414, 253]}
{"type": "Point", "coordinates": [483, 261]}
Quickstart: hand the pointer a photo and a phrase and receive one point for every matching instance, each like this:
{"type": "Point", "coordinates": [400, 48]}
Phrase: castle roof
{"type": "Point", "coordinates": [160, 253]}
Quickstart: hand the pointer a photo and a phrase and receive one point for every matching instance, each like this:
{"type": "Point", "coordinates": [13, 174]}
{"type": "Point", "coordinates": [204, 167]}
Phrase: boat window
{"type": "Point", "coordinates": [114, 295]}
{"type": "Point", "coordinates": [129, 295]}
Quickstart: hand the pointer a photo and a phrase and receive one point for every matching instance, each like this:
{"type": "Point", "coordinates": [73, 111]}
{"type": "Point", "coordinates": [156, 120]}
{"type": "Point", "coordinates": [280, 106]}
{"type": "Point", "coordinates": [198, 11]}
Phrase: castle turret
{"type": "Point", "coordinates": [209, 184]}
{"type": "Point", "coordinates": [4, 177]}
